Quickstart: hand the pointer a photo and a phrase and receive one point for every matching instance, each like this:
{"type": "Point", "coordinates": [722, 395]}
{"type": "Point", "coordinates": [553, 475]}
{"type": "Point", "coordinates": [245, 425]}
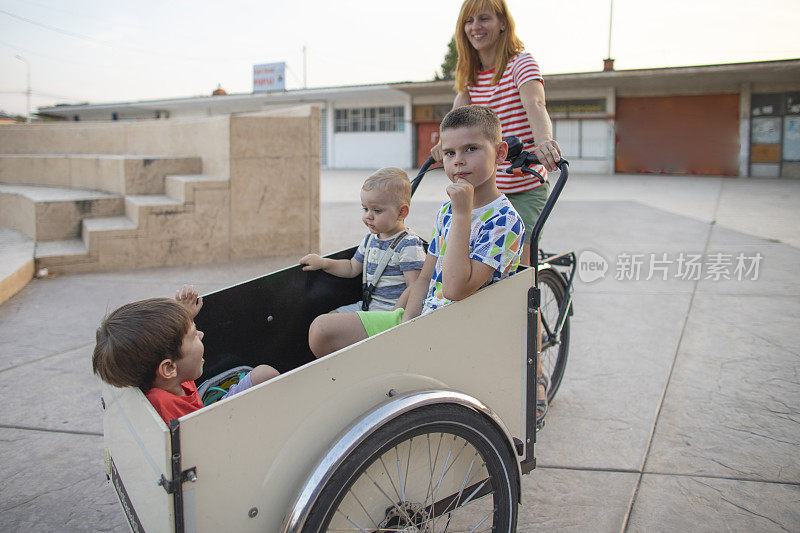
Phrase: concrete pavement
{"type": "Point", "coordinates": [681, 399]}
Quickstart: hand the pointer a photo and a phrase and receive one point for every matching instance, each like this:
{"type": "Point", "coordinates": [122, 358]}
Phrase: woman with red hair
{"type": "Point", "coordinates": [493, 70]}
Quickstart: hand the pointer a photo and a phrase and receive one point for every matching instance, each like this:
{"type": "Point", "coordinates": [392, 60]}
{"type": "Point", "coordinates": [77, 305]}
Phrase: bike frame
{"type": "Point", "coordinates": [568, 260]}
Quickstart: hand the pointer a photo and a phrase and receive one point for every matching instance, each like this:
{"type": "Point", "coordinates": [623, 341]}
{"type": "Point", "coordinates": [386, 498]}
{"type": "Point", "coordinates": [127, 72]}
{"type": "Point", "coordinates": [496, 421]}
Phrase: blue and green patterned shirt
{"type": "Point", "coordinates": [496, 238]}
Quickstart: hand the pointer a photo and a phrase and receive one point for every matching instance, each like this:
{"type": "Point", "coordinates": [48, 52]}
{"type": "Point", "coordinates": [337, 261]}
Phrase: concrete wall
{"type": "Point", "coordinates": [207, 137]}
{"type": "Point", "coordinates": [275, 174]}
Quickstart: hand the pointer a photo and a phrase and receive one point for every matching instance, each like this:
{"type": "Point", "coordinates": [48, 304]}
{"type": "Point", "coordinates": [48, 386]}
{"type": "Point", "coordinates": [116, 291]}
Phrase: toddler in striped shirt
{"type": "Point", "coordinates": [390, 257]}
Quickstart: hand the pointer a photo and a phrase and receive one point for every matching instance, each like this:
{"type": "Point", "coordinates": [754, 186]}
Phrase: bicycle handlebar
{"type": "Point", "coordinates": [422, 170]}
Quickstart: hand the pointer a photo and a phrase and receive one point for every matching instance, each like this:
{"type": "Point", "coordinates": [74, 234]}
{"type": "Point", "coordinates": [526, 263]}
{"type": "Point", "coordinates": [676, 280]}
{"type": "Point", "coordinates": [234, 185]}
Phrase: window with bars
{"type": "Point", "coordinates": [367, 119]}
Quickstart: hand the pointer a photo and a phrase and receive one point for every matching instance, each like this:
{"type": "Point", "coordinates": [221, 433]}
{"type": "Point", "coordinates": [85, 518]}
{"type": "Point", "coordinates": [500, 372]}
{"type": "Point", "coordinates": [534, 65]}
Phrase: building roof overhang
{"type": "Point", "coordinates": [723, 78]}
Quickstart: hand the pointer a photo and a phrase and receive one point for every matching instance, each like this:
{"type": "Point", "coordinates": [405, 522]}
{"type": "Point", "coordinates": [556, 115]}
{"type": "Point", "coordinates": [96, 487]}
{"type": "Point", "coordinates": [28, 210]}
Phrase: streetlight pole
{"type": "Point", "coordinates": [608, 62]}
{"type": "Point", "coordinates": [610, 24]}
{"type": "Point", "coordinates": [28, 92]}
{"type": "Point", "coordinates": [305, 68]}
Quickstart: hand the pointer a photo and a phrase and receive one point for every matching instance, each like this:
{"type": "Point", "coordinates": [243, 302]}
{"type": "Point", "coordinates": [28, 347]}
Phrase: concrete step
{"type": "Point", "coordinates": [53, 213]}
{"type": "Point", "coordinates": [113, 241]}
{"type": "Point", "coordinates": [63, 248]}
{"type": "Point", "coordinates": [16, 262]}
{"type": "Point", "coordinates": [112, 227]}
{"type": "Point", "coordinates": [123, 174]}
{"type": "Point", "coordinates": [182, 187]}
{"type": "Point", "coordinates": [65, 256]}
{"type": "Point", "coordinates": [137, 207]}
{"type": "Point", "coordinates": [142, 229]}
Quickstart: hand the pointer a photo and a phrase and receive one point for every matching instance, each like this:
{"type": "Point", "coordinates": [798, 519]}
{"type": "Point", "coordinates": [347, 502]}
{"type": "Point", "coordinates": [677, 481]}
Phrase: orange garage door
{"type": "Point", "coordinates": [678, 135]}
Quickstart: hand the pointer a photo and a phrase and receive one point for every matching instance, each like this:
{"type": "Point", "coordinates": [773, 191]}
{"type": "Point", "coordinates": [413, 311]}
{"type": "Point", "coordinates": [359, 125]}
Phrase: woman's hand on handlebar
{"type": "Point", "coordinates": [548, 153]}
{"type": "Point", "coordinates": [436, 152]}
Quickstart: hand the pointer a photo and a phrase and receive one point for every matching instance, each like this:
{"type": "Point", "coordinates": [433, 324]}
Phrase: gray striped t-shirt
{"type": "Point", "coordinates": [408, 255]}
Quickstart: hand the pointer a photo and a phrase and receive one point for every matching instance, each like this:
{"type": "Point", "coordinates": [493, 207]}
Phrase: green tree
{"type": "Point", "coordinates": [449, 63]}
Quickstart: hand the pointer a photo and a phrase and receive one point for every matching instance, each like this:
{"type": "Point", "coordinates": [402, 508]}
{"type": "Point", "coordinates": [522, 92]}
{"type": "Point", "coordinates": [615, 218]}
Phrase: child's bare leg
{"type": "Point", "coordinates": [262, 373]}
{"type": "Point", "coordinates": [332, 332]}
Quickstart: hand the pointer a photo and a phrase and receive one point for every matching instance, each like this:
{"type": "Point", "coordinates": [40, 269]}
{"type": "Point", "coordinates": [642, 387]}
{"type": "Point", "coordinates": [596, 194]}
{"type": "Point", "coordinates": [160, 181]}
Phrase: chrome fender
{"type": "Point", "coordinates": [361, 429]}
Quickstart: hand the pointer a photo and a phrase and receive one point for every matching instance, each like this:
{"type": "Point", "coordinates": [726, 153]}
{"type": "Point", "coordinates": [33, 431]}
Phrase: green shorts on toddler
{"type": "Point", "coordinates": [379, 321]}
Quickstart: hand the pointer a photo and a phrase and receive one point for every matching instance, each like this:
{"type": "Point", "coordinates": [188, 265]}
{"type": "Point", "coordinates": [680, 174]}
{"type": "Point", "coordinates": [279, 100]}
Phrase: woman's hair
{"type": "Point", "coordinates": [133, 340]}
{"type": "Point", "coordinates": [468, 61]}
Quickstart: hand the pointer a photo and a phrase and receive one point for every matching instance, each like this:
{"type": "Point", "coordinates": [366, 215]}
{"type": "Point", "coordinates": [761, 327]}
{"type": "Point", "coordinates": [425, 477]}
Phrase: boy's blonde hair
{"type": "Point", "coordinates": [392, 180]}
{"type": "Point", "coordinates": [133, 340]}
{"type": "Point", "coordinates": [508, 44]}
{"type": "Point", "coordinates": [476, 116]}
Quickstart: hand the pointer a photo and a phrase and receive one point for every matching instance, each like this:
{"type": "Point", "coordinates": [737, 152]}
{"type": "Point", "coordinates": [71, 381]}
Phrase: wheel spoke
{"type": "Point", "coordinates": [360, 528]}
{"type": "Point", "coordinates": [408, 460]}
{"type": "Point", "coordinates": [366, 513]}
{"type": "Point", "coordinates": [444, 468]}
{"type": "Point", "coordinates": [458, 454]}
{"type": "Point", "coordinates": [394, 504]}
{"type": "Point", "coordinates": [399, 474]}
{"type": "Point", "coordinates": [429, 496]}
{"type": "Point", "coordinates": [460, 491]}
{"type": "Point", "coordinates": [355, 524]}
{"type": "Point", "coordinates": [473, 493]}
{"type": "Point", "coordinates": [479, 523]}
{"type": "Point", "coordinates": [389, 477]}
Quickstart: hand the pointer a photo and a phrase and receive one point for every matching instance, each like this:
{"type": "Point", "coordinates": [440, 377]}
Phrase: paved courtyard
{"type": "Point", "coordinates": [680, 407]}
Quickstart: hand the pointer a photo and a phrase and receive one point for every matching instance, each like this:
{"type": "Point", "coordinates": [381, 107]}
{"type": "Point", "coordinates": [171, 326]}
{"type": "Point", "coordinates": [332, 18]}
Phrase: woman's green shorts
{"type": "Point", "coordinates": [529, 205]}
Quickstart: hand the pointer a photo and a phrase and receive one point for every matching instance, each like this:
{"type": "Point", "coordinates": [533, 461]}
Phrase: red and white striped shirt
{"type": "Point", "coordinates": [503, 98]}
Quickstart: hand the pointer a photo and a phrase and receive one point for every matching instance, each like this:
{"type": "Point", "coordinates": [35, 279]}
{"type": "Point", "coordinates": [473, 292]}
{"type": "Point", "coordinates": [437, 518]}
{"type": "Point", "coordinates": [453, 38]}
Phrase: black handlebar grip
{"type": "Point", "coordinates": [514, 147]}
{"type": "Point", "coordinates": [516, 155]}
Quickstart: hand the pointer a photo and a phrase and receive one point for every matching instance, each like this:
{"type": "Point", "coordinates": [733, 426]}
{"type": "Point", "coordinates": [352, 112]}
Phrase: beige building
{"type": "Point", "coordinates": [736, 119]}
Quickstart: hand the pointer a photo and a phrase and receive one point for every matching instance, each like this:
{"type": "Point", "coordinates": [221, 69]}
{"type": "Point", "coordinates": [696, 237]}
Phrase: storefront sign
{"type": "Point", "coordinates": [269, 77]}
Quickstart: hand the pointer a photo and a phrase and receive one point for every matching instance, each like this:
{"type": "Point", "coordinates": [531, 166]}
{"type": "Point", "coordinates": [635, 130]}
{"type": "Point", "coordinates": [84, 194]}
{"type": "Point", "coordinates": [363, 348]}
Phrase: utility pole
{"type": "Point", "coordinates": [608, 62]}
{"type": "Point", "coordinates": [305, 68]}
{"type": "Point", "coordinates": [28, 91]}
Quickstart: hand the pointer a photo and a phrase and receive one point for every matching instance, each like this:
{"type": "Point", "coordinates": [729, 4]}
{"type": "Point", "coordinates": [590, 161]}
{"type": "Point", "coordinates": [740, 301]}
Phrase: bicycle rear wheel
{"type": "Point", "coordinates": [555, 348]}
{"type": "Point", "coordinates": [437, 468]}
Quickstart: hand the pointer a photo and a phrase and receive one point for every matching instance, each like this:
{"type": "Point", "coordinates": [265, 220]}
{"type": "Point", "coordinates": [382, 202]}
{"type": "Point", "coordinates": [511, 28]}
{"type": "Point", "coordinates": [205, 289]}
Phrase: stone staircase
{"type": "Point", "coordinates": [88, 196]}
{"type": "Point", "coordinates": [104, 212]}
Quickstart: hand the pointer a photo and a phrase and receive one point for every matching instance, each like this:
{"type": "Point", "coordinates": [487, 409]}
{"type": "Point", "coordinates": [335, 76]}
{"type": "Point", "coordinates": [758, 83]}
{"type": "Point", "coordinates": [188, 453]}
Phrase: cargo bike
{"type": "Point", "coordinates": [426, 427]}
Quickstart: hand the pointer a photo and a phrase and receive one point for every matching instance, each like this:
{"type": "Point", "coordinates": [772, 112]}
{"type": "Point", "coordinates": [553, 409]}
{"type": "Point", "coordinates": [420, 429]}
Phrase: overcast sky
{"type": "Point", "coordinates": [124, 50]}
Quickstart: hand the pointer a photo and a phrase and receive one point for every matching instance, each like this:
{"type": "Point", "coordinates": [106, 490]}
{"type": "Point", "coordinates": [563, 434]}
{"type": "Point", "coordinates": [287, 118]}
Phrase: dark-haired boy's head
{"type": "Point", "coordinates": [134, 339]}
{"type": "Point", "coordinates": [474, 116]}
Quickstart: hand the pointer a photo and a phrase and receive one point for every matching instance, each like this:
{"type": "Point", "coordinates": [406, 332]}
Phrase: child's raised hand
{"type": "Point", "coordinates": [312, 262]}
{"type": "Point", "coordinates": [189, 297]}
{"type": "Point", "coordinates": [460, 193]}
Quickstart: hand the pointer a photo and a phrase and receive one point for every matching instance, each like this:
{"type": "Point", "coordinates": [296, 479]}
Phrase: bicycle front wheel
{"type": "Point", "coordinates": [437, 468]}
{"type": "Point", "coordinates": [555, 347]}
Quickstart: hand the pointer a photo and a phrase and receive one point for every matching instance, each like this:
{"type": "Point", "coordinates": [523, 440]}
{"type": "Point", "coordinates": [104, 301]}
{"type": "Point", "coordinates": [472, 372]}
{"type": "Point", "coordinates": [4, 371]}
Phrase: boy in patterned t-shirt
{"type": "Point", "coordinates": [477, 238]}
